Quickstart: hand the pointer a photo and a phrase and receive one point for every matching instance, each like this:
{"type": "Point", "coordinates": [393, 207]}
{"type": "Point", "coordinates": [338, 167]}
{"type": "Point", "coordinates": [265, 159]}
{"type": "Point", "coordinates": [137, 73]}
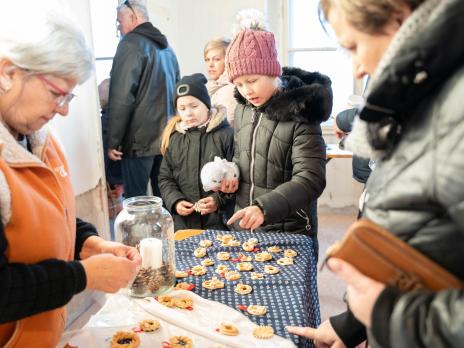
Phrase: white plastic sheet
{"type": "Point", "coordinates": [124, 313]}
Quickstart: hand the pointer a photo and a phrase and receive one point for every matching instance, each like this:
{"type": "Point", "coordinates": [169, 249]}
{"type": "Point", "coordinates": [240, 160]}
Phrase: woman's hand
{"type": "Point", "coordinates": [95, 245]}
{"type": "Point", "coordinates": [228, 186]}
{"type": "Point", "coordinates": [361, 293]}
{"type": "Point", "coordinates": [109, 266]}
{"type": "Point", "coordinates": [207, 205]}
{"type": "Point", "coordinates": [109, 273]}
{"type": "Point", "coordinates": [184, 208]}
{"type": "Point", "coordinates": [118, 249]}
{"type": "Point", "coordinates": [323, 337]}
{"type": "Point", "coordinates": [250, 217]}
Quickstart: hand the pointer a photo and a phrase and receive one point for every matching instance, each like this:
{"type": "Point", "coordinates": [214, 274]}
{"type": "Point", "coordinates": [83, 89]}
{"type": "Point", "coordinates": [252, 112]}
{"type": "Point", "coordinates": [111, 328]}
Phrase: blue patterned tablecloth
{"type": "Point", "coordinates": [291, 295]}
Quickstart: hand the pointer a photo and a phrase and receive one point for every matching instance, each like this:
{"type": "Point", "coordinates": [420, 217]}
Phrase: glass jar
{"type": "Point", "coordinates": [146, 225]}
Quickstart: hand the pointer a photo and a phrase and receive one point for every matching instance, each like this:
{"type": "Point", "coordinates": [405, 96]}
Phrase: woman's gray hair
{"type": "Point", "coordinates": [45, 44]}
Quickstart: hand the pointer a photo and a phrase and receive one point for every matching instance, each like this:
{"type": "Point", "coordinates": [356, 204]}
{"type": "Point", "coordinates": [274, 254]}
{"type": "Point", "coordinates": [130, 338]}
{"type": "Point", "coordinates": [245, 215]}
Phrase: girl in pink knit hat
{"type": "Point", "coordinates": [278, 140]}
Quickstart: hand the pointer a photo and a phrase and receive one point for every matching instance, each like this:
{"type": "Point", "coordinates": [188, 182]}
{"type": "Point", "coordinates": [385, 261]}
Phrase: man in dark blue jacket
{"type": "Point", "coordinates": [143, 78]}
{"type": "Point", "coordinates": [342, 126]}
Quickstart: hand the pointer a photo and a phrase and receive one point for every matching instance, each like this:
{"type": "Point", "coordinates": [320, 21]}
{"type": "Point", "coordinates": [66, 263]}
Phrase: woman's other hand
{"type": "Point", "coordinates": [109, 273]}
{"type": "Point", "coordinates": [119, 249]}
{"type": "Point", "coordinates": [361, 292]}
{"type": "Point", "coordinates": [95, 245]}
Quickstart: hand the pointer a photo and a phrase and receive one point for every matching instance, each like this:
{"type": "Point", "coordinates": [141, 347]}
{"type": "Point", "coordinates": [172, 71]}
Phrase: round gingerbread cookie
{"type": "Point", "coordinates": [180, 342]}
{"type": "Point", "coordinates": [149, 325]}
{"type": "Point", "coordinates": [263, 332]}
{"type": "Point", "coordinates": [125, 339]}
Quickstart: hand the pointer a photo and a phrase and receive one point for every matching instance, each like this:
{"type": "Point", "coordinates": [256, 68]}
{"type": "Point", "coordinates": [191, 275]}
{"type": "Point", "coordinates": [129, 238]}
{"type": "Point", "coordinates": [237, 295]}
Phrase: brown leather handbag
{"type": "Point", "coordinates": [380, 255]}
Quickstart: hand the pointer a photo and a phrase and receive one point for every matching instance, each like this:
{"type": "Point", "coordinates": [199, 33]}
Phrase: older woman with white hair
{"type": "Point", "coordinates": [47, 255]}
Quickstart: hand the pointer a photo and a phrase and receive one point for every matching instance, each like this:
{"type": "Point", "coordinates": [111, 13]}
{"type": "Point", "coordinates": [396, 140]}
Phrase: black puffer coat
{"type": "Point", "coordinates": [179, 177]}
{"type": "Point", "coordinates": [143, 81]}
{"type": "Point", "coordinates": [417, 191]}
{"type": "Point", "coordinates": [281, 153]}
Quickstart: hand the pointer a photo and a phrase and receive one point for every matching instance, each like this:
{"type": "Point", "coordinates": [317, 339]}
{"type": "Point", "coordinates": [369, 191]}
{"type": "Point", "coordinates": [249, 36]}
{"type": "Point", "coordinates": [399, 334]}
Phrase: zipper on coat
{"type": "Point", "coordinates": [200, 140]}
{"type": "Point", "coordinates": [253, 149]}
{"type": "Point", "coordinates": [302, 214]}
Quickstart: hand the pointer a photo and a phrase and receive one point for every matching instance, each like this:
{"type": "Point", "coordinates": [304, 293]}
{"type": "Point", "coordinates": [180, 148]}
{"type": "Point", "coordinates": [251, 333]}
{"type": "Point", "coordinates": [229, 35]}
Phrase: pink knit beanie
{"type": "Point", "coordinates": [252, 52]}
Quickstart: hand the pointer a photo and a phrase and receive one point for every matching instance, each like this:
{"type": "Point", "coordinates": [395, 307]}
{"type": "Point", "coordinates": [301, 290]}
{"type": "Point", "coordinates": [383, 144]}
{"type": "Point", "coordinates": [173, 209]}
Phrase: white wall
{"type": "Point", "coordinates": [79, 132]}
{"type": "Point", "coordinates": [202, 20]}
{"type": "Point", "coordinates": [163, 15]}
{"type": "Point", "coordinates": [189, 24]}
{"type": "Point", "coordinates": [342, 190]}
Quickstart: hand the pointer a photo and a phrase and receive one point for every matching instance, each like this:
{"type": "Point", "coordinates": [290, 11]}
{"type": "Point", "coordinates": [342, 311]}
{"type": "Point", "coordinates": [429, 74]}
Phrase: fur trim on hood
{"type": "Point", "coordinates": [217, 120]}
{"type": "Point", "coordinates": [303, 96]}
{"type": "Point", "coordinates": [15, 154]}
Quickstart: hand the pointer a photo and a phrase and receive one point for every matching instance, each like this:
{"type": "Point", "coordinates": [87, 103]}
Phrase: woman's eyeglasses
{"type": "Point", "coordinates": [61, 97]}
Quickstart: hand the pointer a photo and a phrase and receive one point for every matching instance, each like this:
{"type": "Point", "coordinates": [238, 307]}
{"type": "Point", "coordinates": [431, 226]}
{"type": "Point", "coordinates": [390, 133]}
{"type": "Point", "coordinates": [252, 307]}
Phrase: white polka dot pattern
{"type": "Point", "coordinates": [290, 295]}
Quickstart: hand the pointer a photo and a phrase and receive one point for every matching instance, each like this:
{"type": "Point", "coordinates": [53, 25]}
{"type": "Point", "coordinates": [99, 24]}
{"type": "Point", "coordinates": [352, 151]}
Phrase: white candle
{"type": "Point", "coordinates": [151, 250]}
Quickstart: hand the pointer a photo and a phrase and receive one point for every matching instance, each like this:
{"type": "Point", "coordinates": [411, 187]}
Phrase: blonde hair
{"type": "Point", "coordinates": [369, 16]}
{"type": "Point", "coordinates": [221, 43]}
{"type": "Point", "coordinates": [104, 92]}
{"type": "Point", "coordinates": [168, 130]}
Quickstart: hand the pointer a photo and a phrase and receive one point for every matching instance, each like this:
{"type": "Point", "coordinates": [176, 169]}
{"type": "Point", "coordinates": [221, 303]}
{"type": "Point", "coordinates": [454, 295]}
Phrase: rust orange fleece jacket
{"type": "Point", "coordinates": [38, 214]}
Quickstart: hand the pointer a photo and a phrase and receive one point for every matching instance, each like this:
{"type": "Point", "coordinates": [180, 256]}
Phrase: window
{"type": "Point", "coordinates": [105, 41]}
{"type": "Point", "coordinates": [311, 48]}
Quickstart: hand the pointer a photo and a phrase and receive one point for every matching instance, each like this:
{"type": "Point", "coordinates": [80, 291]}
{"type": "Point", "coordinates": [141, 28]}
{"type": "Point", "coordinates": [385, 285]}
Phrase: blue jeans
{"type": "Point", "coordinates": [136, 173]}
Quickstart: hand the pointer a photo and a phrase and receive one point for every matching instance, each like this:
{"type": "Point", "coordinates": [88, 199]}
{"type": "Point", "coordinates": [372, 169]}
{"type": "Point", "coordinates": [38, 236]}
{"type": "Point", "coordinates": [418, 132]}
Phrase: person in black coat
{"type": "Point", "coordinates": [343, 125]}
{"type": "Point", "coordinates": [279, 146]}
{"type": "Point", "coordinates": [141, 98]}
{"type": "Point", "coordinates": [412, 125]}
{"type": "Point", "coordinates": [191, 139]}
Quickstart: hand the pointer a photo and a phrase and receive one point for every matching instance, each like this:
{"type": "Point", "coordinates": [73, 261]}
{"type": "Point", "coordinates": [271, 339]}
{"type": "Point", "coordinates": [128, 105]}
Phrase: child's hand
{"type": "Point", "coordinates": [184, 208]}
{"type": "Point", "coordinates": [228, 186]}
{"type": "Point", "coordinates": [207, 205]}
{"type": "Point", "coordinates": [250, 217]}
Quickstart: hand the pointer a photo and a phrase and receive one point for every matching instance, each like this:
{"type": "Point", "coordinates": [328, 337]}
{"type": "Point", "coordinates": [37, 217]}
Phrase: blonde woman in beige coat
{"type": "Point", "coordinates": [220, 90]}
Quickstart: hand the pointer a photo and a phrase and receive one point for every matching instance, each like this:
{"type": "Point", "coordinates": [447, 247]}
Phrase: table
{"type": "Point", "coordinates": [291, 295]}
{"type": "Point", "coordinates": [291, 298]}
{"type": "Point", "coordinates": [123, 313]}
{"type": "Point", "coordinates": [334, 151]}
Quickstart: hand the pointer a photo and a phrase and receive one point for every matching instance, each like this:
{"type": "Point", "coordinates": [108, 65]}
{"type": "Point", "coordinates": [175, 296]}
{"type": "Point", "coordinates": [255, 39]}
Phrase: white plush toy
{"type": "Point", "coordinates": [214, 172]}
